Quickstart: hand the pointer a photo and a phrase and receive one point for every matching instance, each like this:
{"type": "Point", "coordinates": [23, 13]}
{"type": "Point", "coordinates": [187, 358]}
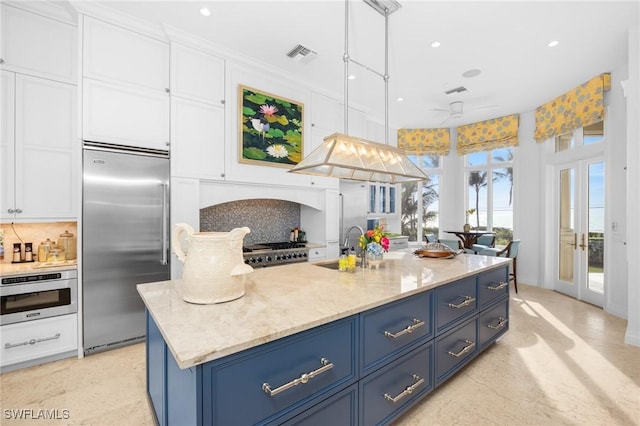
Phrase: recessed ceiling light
{"type": "Point", "coordinates": [553, 43]}
{"type": "Point", "coordinates": [205, 12]}
{"type": "Point", "coordinates": [471, 73]}
{"type": "Point", "coordinates": [400, 99]}
{"type": "Point", "coordinates": [352, 77]}
{"type": "Point", "coordinates": [435, 43]}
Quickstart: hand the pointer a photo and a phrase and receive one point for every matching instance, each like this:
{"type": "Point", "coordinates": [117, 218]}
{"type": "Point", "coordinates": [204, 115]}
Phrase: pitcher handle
{"type": "Point", "coordinates": [175, 239]}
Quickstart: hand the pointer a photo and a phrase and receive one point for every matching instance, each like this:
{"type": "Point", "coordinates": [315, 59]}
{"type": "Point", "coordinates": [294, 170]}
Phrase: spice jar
{"type": "Point", "coordinates": [28, 252]}
{"type": "Point", "coordinates": [43, 250]}
{"type": "Point", "coordinates": [68, 242]}
{"type": "Point", "coordinates": [56, 255]}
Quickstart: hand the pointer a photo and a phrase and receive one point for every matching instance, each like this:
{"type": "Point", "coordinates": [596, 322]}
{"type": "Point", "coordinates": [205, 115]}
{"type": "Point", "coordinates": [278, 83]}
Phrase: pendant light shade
{"type": "Point", "coordinates": [347, 157]}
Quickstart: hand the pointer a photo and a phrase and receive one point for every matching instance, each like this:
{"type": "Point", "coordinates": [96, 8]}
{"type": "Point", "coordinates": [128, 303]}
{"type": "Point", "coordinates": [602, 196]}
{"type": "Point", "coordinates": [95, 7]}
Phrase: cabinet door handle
{"type": "Point", "coordinates": [407, 391]}
{"type": "Point", "coordinates": [501, 323]}
{"type": "Point", "coordinates": [466, 349]}
{"type": "Point", "coordinates": [304, 378]}
{"type": "Point", "coordinates": [466, 302]}
{"type": "Point", "coordinates": [11, 211]}
{"type": "Point", "coordinates": [500, 286]}
{"type": "Point", "coordinates": [408, 329]}
{"type": "Point", "coordinates": [18, 210]}
{"type": "Point", "coordinates": [163, 259]}
{"type": "Point", "coordinates": [31, 342]}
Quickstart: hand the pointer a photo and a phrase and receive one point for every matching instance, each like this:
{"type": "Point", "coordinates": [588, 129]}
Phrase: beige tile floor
{"type": "Point", "coordinates": [562, 362]}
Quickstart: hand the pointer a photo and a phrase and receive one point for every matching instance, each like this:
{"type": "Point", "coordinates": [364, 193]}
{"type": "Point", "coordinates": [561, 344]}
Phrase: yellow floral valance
{"type": "Point", "coordinates": [577, 108]}
{"type": "Point", "coordinates": [424, 141]}
{"type": "Point", "coordinates": [487, 135]}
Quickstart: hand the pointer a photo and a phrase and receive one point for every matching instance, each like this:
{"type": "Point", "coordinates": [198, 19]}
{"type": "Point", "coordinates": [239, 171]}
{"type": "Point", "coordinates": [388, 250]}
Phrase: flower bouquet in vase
{"type": "Point", "coordinates": [374, 242]}
{"type": "Point", "coordinates": [467, 226]}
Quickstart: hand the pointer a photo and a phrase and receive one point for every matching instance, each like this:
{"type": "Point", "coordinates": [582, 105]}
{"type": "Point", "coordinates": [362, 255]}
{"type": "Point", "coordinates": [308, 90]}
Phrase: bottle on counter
{"type": "Point", "coordinates": [28, 252]}
{"type": "Point", "coordinates": [352, 260]}
{"type": "Point", "coordinates": [17, 253]}
{"type": "Point", "coordinates": [342, 263]}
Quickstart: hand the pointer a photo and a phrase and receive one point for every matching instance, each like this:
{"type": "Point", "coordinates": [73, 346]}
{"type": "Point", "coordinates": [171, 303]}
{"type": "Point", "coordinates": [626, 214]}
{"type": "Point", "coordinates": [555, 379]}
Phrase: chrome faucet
{"type": "Point", "coordinates": [346, 244]}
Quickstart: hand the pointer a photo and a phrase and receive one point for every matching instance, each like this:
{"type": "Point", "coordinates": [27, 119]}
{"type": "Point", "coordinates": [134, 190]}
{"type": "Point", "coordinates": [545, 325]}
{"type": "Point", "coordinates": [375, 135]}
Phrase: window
{"type": "Point", "coordinates": [587, 135]}
{"type": "Point", "coordinates": [489, 175]}
{"type": "Point", "coordinates": [420, 200]}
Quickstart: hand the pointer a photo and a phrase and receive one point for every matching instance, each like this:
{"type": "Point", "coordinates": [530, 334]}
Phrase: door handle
{"type": "Point", "coordinates": [582, 244]}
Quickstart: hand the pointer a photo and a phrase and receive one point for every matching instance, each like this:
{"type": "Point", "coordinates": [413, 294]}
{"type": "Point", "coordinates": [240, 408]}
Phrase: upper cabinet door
{"type": "Point", "coordinates": [324, 113]}
{"type": "Point", "coordinates": [117, 55]}
{"type": "Point", "coordinates": [35, 45]}
{"type": "Point", "coordinates": [197, 75]}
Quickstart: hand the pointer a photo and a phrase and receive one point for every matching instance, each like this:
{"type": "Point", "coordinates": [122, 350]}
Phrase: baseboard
{"type": "Point", "coordinates": [631, 339]}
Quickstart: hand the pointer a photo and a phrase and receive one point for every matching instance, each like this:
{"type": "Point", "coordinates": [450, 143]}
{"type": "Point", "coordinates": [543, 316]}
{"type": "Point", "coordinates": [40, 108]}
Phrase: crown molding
{"type": "Point", "coordinates": [61, 10]}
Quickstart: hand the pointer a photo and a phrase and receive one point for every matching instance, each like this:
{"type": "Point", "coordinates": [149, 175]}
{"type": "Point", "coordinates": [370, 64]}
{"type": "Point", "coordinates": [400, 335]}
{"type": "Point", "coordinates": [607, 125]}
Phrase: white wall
{"type": "Point", "coordinates": [632, 335]}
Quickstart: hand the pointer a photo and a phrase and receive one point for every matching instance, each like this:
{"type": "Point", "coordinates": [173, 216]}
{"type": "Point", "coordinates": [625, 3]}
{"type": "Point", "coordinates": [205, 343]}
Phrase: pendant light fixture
{"type": "Point", "coordinates": [347, 157]}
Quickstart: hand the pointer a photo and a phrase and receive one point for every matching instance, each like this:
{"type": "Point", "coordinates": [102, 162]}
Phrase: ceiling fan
{"type": "Point", "coordinates": [456, 110]}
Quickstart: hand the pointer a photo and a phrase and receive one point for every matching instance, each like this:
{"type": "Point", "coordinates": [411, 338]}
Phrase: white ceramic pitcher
{"type": "Point", "coordinates": [214, 269]}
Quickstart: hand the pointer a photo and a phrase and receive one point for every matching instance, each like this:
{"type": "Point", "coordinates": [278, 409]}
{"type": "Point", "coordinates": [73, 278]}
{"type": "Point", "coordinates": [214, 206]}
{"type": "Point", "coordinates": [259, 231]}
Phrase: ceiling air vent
{"type": "Point", "coordinates": [459, 89]}
{"type": "Point", "coordinates": [301, 53]}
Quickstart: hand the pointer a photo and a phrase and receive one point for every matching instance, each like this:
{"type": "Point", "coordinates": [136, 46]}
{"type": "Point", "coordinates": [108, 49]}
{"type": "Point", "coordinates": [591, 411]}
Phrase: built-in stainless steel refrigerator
{"type": "Point", "coordinates": [125, 242]}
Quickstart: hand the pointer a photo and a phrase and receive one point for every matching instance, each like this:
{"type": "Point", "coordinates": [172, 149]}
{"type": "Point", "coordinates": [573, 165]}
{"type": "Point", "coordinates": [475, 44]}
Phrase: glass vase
{"type": "Point", "coordinates": [374, 260]}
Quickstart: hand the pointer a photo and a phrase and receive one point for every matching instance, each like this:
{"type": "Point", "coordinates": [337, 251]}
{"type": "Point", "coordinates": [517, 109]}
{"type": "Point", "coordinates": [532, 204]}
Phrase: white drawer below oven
{"type": "Point", "coordinates": [31, 340]}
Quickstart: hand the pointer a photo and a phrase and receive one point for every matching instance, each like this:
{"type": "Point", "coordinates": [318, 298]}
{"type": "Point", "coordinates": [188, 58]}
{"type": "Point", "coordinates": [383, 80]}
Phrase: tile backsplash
{"type": "Point", "coordinates": [33, 233]}
{"type": "Point", "coordinates": [269, 220]}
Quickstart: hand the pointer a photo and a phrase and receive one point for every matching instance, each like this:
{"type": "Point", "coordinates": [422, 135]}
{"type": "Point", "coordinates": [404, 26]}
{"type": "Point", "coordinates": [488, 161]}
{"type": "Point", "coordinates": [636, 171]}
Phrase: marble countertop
{"type": "Point", "coordinates": [9, 269]}
{"type": "Point", "coordinates": [284, 300]}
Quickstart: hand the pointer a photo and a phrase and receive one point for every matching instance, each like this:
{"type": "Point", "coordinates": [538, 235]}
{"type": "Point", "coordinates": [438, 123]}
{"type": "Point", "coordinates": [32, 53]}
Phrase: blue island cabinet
{"type": "Point", "coordinates": [366, 369]}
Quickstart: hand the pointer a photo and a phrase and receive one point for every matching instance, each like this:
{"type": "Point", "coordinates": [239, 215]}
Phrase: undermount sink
{"type": "Point", "coordinates": [332, 264]}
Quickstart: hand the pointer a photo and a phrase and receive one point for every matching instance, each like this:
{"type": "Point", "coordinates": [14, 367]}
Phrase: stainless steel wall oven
{"type": "Point", "coordinates": [33, 296]}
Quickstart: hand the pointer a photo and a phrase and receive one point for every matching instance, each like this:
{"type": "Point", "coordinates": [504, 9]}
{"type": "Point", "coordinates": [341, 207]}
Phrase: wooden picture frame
{"type": "Point", "coordinates": [270, 128]}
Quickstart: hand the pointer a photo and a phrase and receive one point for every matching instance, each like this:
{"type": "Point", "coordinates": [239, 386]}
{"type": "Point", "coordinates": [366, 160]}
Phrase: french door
{"type": "Point", "coordinates": [580, 229]}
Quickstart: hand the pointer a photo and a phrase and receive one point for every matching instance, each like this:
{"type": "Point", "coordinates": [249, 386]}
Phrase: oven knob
{"type": "Point", "coordinates": [267, 259]}
{"type": "Point", "coordinates": [277, 257]}
{"type": "Point", "coordinates": [304, 254]}
{"type": "Point", "coordinates": [246, 261]}
{"type": "Point", "coordinates": [252, 260]}
{"type": "Point", "coordinates": [259, 260]}
{"type": "Point", "coordinates": [288, 256]}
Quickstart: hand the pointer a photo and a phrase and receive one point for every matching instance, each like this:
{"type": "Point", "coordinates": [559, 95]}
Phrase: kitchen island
{"type": "Point", "coordinates": [308, 343]}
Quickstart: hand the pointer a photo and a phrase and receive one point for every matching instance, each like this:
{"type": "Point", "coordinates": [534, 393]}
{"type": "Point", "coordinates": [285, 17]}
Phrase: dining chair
{"type": "Point", "coordinates": [483, 242]}
{"type": "Point", "coordinates": [430, 238]}
{"type": "Point", "coordinates": [455, 245]}
{"type": "Point", "coordinates": [510, 250]}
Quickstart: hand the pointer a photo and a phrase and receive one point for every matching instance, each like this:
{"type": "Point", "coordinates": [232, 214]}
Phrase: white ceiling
{"type": "Point", "coordinates": [506, 40]}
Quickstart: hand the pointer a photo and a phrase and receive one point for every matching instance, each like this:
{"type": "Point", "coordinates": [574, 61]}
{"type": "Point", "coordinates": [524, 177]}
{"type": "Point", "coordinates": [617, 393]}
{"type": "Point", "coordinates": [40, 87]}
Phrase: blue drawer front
{"type": "Point", "coordinates": [493, 323]}
{"type": "Point", "coordinates": [276, 364]}
{"type": "Point", "coordinates": [454, 302]}
{"type": "Point", "coordinates": [492, 285]}
{"type": "Point", "coordinates": [411, 370]}
{"type": "Point", "coordinates": [338, 410]}
{"type": "Point", "coordinates": [456, 348]}
{"type": "Point", "coordinates": [415, 315]}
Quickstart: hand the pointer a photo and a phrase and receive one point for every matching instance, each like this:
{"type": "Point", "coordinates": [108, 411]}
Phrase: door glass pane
{"type": "Point", "coordinates": [567, 233]}
{"type": "Point", "coordinates": [409, 218]}
{"type": "Point", "coordinates": [502, 205]}
{"type": "Point", "coordinates": [383, 199]}
{"type": "Point", "coordinates": [392, 199]}
{"type": "Point", "coordinates": [372, 198]}
{"type": "Point", "coordinates": [430, 205]}
{"type": "Point", "coordinates": [477, 196]}
{"type": "Point", "coordinates": [594, 133]}
{"type": "Point", "coordinates": [595, 243]}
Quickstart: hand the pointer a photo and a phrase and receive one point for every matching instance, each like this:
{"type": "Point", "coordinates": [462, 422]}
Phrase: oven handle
{"type": "Point", "coordinates": [163, 261]}
{"type": "Point", "coordinates": [31, 342]}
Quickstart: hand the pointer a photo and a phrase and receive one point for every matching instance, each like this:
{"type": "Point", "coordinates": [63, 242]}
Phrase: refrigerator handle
{"type": "Point", "coordinates": [164, 224]}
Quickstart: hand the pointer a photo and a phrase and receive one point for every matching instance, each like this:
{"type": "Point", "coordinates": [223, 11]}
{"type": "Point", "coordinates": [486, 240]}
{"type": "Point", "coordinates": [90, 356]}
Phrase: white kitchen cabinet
{"type": "Point", "coordinates": [324, 112]}
{"type": "Point", "coordinates": [185, 195]}
{"type": "Point", "coordinates": [125, 115]}
{"type": "Point", "coordinates": [197, 75]}
{"type": "Point", "coordinates": [35, 45]}
{"type": "Point", "coordinates": [39, 164]}
{"type": "Point", "coordinates": [357, 126]}
{"type": "Point", "coordinates": [118, 55]}
{"type": "Point", "coordinates": [197, 139]}
{"type": "Point", "coordinates": [382, 198]}
{"type": "Point", "coordinates": [44, 339]}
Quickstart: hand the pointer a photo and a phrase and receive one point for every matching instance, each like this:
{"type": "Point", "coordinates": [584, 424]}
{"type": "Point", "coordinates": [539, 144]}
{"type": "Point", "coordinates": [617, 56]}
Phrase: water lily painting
{"type": "Point", "coordinates": [270, 129]}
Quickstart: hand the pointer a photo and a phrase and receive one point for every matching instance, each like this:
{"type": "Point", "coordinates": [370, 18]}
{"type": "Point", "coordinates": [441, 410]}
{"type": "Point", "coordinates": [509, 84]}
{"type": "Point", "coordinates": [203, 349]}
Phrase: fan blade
{"type": "Point", "coordinates": [483, 107]}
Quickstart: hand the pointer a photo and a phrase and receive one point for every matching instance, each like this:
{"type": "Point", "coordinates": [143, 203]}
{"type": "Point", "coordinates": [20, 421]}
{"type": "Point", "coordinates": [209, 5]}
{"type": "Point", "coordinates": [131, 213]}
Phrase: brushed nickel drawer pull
{"type": "Point", "coordinates": [502, 322]}
{"type": "Point", "coordinates": [31, 342]}
{"type": "Point", "coordinates": [500, 286]}
{"type": "Point", "coordinates": [466, 302]}
{"type": "Point", "coordinates": [304, 378]}
{"type": "Point", "coordinates": [407, 391]}
{"type": "Point", "coordinates": [408, 329]}
{"type": "Point", "coordinates": [466, 349]}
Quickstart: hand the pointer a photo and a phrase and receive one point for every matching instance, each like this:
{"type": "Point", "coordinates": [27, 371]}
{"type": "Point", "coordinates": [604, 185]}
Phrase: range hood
{"type": "Point", "coordinates": [348, 157]}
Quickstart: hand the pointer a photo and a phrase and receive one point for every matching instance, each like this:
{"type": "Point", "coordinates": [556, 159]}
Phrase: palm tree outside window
{"type": "Point", "coordinates": [420, 200]}
{"type": "Point", "coordinates": [489, 176]}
